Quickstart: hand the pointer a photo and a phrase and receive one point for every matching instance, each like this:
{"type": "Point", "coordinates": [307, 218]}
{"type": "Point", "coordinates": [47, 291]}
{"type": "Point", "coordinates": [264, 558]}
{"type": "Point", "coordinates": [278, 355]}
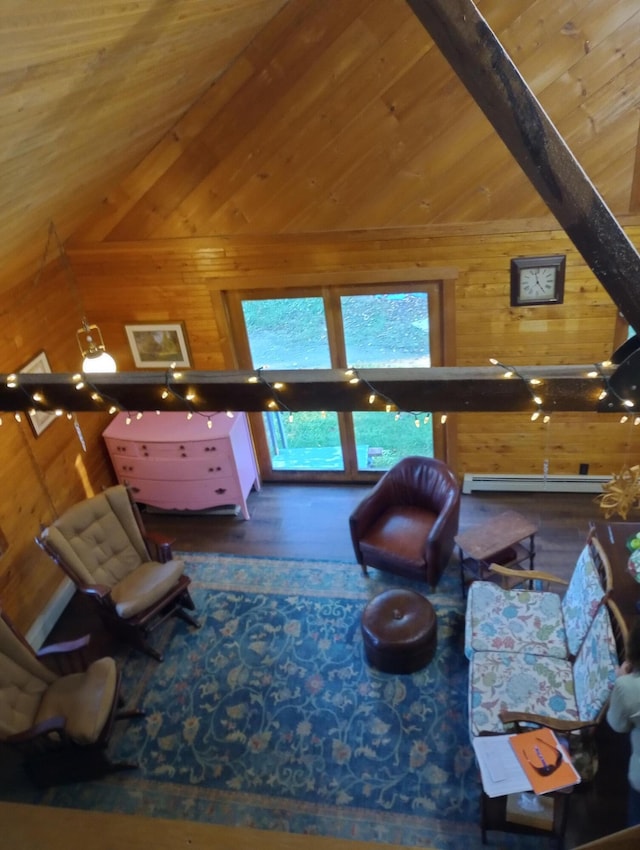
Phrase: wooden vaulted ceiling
{"type": "Point", "coordinates": [398, 140]}
{"type": "Point", "coordinates": [88, 90]}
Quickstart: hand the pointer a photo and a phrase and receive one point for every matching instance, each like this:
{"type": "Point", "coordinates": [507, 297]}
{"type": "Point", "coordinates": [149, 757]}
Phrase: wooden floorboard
{"type": "Point", "coordinates": [311, 521]}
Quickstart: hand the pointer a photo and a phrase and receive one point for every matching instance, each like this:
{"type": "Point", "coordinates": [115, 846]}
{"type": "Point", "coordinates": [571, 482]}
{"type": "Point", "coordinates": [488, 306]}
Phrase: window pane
{"type": "Point", "coordinates": [386, 330]}
{"type": "Point", "coordinates": [287, 333]}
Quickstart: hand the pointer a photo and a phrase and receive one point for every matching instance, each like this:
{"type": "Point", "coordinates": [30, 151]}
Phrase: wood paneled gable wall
{"type": "Point", "coordinates": [334, 143]}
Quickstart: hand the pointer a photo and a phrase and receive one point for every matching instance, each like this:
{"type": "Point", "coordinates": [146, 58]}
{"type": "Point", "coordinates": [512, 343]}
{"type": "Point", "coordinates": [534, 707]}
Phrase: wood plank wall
{"type": "Point", "coordinates": [185, 280]}
{"type": "Point", "coordinates": [41, 476]}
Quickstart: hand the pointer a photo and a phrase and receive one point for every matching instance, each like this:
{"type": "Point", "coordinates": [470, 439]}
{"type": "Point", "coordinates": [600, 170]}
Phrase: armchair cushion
{"type": "Point", "coordinates": [581, 600]}
{"type": "Point", "coordinates": [99, 544]}
{"type": "Point", "coordinates": [398, 538]}
{"type": "Point", "coordinates": [145, 586]}
{"type": "Point", "coordinates": [500, 620]}
{"type": "Point", "coordinates": [534, 621]}
{"type": "Point", "coordinates": [518, 681]}
{"type": "Point", "coordinates": [20, 696]}
{"type": "Point", "coordinates": [547, 686]}
{"type": "Point", "coordinates": [85, 700]}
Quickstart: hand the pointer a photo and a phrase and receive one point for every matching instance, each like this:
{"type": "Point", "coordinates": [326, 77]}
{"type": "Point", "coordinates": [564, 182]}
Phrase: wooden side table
{"type": "Point", "coordinates": [494, 816]}
{"type": "Point", "coordinates": [507, 539]}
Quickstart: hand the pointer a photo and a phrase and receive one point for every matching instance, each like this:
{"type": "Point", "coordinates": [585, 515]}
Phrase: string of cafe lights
{"type": "Point", "coordinates": [608, 391]}
{"type": "Point", "coordinates": [276, 401]}
{"type": "Point", "coordinates": [530, 383]}
{"type": "Point", "coordinates": [390, 405]}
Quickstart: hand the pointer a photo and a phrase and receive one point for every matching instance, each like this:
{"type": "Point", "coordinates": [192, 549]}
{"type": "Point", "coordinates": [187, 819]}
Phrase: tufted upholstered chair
{"type": "Point", "coordinates": [101, 544]}
{"type": "Point", "coordinates": [60, 723]}
{"type": "Point", "coordinates": [406, 525]}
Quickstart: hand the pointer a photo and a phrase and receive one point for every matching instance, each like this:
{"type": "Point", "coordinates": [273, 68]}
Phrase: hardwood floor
{"type": "Point", "coordinates": [311, 521]}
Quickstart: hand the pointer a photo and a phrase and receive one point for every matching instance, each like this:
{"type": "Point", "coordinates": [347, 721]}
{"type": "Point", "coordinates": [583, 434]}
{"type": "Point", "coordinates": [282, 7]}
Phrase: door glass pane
{"type": "Point", "coordinates": [291, 333]}
{"type": "Point", "coordinates": [388, 330]}
{"type": "Point", "coordinates": [306, 440]}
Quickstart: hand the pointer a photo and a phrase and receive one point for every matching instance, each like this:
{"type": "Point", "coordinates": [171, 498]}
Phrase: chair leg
{"type": "Point", "coordinates": [186, 601]}
{"type": "Point", "coordinates": [182, 614]}
{"type": "Point", "coordinates": [363, 567]}
{"type": "Point", "coordinates": [130, 714]}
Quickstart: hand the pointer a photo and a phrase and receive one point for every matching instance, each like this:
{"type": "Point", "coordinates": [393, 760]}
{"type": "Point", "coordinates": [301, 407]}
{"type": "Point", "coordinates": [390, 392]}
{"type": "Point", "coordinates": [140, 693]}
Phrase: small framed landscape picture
{"type": "Point", "coordinates": [158, 346]}
{"type": "Point", "coordinates": [39, 419]}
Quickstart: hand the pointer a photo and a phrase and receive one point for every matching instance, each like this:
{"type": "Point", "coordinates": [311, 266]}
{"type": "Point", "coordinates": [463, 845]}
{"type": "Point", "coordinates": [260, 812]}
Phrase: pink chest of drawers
{"type": "Point", "coordinates": [176, 463]}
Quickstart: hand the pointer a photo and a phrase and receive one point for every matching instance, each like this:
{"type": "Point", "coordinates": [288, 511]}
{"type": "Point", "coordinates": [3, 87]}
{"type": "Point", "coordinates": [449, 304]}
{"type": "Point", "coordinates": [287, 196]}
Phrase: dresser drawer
{"type": "Point", "coordinates": [186, 495]}
{"type": "Point", "coordinates": [215, 466]}
{"type": "Point", "coordinates": [122, 448]}
{"type": "Point", "coordinates": [198, 449]}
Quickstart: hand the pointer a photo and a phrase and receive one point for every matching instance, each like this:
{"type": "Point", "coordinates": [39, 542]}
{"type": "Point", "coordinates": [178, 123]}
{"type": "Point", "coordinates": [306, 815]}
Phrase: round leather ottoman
{"type": "Point", "coordinates": [400, 631]}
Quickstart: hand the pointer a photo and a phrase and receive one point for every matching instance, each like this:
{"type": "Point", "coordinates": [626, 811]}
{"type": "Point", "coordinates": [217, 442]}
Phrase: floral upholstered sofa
{"type": "Point", "coordinates": [537, 657]}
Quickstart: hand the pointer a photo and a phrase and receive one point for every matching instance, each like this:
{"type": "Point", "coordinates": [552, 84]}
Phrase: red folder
{"type": "Point", "coordinates": [538, 748]}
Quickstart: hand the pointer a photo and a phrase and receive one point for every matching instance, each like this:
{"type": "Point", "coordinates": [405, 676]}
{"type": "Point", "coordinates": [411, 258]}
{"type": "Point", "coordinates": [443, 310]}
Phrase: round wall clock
{"type": "Point", "coordinates": [537, 280]}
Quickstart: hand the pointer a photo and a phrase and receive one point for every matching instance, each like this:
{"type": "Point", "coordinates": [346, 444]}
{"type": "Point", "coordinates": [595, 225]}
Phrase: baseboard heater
{"type": "Point", "coordinates": [534, 483]}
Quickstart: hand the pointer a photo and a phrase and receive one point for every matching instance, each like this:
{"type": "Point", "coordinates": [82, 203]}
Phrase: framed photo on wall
{"type": "Point", "coordinates": [157, 346]}
{"type": "Point", "coordinates": [40, 419]}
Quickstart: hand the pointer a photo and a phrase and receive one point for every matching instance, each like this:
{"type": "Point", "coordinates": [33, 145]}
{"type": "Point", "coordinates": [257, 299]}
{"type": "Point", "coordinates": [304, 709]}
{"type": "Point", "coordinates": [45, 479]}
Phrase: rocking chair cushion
{"type": "Point", "coordinates": [20, 696]}
{"type": "Point", "coordinates": [145, 586]}
{"type": "Point", "coordinates": [85, 700]}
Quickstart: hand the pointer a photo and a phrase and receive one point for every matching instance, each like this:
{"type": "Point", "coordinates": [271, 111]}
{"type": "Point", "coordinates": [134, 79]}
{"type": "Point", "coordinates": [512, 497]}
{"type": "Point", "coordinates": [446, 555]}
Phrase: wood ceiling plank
{"type": "Point", "coordinates": [496, 85]}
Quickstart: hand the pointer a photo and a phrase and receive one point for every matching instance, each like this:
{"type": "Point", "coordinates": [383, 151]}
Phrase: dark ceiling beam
{"type": "Point", "coordinates": [475, 54]}
{"type": "Point", "coordinates": [443, 389]}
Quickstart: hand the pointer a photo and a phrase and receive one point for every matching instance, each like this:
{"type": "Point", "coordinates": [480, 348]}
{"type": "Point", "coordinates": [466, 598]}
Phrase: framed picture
{"type": "Point", "coordinates": [41, 419]}
{"type": "Point", "coordinates": [157, 346]}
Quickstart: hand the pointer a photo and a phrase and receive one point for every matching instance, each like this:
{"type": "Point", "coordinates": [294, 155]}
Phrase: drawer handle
{"type": "Point", "coordinates": [221, 490]}
{"type": "Point", "coordinates": [215, 468]}
{"type": "Point", "coordinates": [183, 454]}
{"type": "Point", "coordinates": [134, 489]}
{"type": "Point", "coordinates": [211, 448]}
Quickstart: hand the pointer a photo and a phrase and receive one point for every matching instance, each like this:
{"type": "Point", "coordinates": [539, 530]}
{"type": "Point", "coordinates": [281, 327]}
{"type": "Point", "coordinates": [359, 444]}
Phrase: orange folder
{"type": "Point", "coordinates": [538, 748]}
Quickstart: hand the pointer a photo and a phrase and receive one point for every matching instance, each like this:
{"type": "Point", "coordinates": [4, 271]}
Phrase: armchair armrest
{"type": "Point", "coordinates": [554, 723]}
{"type": "Point", "coordinates": [66, 657]}
{"type": "Point", "coordinates": [28, 739]}
{"type": "Point", "coordinates": [100, 590]}
{"type": "Point", "coordinates": [159, 546]}
{"type": "Point", "coordinates": [526, 575]}
{"type": "Point", "coordinates": [65, 646]}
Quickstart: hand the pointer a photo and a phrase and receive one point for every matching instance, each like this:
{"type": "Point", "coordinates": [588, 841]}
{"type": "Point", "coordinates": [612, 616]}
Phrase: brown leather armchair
{"type": "Point", "coordinates": [407, 523]}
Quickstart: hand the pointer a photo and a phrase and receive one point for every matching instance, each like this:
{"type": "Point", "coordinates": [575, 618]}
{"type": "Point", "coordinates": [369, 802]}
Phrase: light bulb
{"type": "Point", "coordinates": [102, 362]}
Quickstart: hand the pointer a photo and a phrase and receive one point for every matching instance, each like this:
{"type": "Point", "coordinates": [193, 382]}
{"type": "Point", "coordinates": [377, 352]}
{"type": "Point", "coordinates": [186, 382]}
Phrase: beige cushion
{"type": "Point", "coordinates": [20, 697]}
{"type": "Point", "coordinates": [84, 699]}
{"type": "Point", "coordinates": [145, 586]}
{"type": "Point", "coordinates": [99, 538]}
{"type": "Point", "coordinates": [23, 680]}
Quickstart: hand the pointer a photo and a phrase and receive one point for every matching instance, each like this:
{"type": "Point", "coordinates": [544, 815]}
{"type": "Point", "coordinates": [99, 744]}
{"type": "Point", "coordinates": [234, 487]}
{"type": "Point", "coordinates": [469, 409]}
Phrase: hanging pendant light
{"type": "Point", "coordinates": [95, 357]}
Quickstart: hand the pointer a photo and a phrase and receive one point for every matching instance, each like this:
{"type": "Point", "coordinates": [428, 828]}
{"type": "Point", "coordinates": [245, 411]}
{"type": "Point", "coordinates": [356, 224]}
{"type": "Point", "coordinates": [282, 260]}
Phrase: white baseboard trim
{"type": "Point", "coordinates": [49, 616]}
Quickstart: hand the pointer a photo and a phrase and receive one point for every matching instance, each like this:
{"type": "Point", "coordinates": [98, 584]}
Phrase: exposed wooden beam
{"type": "Point", "coordinates": [444, 389]}
{"type": "Point", "coordinates": [478, 58]}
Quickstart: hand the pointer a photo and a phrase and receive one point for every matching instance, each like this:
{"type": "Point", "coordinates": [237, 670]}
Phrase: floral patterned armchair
{"type": "Point", "coordinates": [539, 622]}
{"type": "Point", "coordinates": [539, 659]}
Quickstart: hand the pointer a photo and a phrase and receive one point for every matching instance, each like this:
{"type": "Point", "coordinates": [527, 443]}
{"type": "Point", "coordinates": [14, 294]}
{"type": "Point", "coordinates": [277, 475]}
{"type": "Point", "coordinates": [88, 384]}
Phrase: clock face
{"type": "Point", "coordinates": [538, 284]}
{"type": "Point", "coordinates": [537, 280]}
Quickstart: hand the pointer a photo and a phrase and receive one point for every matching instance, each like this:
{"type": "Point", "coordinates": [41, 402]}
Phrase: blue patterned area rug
{"type": "Point", "coordinates": [269, 716]}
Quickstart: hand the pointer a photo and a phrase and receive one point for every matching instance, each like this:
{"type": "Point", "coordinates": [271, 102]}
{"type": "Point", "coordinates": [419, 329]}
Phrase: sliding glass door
{"type": "Point", "coordinates": [358, 327]}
